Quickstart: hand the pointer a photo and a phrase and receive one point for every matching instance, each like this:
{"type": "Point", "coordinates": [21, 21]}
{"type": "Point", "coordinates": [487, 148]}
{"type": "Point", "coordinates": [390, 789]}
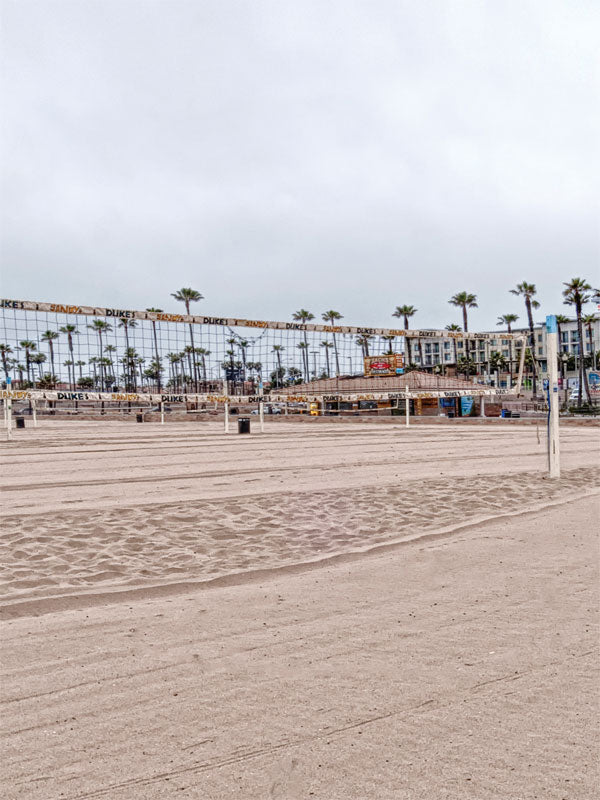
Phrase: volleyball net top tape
{"type": "Point", "coordinates": [57, 351]}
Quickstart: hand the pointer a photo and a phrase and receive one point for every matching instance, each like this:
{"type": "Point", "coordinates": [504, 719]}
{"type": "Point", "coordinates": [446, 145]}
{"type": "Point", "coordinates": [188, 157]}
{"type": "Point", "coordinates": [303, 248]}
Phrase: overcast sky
{"type": "Point", "coordinates": [299, 153]}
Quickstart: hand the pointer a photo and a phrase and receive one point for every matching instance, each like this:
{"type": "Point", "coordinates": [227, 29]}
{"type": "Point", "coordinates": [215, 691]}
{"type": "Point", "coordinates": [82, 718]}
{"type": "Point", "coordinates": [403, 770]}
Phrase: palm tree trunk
{"type": "Point", "coordinates": [70, 340]}
{"type": "Point", "coordinates": [337, 360]}
{"type": "Point", "coordinates": [531, 346]}
{"type": "Point", "coordinates": [193, 365]}
{"type": "Point", "coordinates": [156, 355]}
{"type": "Point", "coordinates": [583, 381]}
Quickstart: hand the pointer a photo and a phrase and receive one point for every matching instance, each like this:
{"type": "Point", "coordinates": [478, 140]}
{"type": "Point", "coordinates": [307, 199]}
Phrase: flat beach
{"type": "Point", "coordinates": [322, 611]}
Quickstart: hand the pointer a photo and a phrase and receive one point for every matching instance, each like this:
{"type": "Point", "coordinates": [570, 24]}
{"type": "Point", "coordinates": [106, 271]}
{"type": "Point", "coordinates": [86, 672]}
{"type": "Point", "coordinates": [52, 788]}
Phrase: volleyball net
{"type": "Point", "coordinates": [78, 353]}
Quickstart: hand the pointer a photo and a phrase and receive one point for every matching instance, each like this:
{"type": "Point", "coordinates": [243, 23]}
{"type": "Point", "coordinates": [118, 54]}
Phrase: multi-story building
{"type": "Point", "coordinates": [431, 353]}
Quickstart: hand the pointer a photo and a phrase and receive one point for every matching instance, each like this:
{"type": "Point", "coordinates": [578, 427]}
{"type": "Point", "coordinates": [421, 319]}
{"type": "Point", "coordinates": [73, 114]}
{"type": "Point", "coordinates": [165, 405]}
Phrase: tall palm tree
{"type": "Point", "coordinates": [29, 348]}
{"type": "Point", "coordinates": [326, 345]}
{"type": "Point", "coordinates": [332, 318]}
{"type": "Point", "coordinates": [188, 296]}
{"type": "Point", "coordinates": [578, 292]}
{"type": "Point", "coordinates": [405, 313]}
{"type": "Point", "coordinates": [454, 327]}
{"type": "Point", "coordinates": [129, 361]}
{"type": "Point", "coordinates": [528, 291]}
{"type": "Point", "coordinates": [79, 364]}
{"type": "Point", "coordinates": [304, 316]}
{"type": "Point", "coordinates": [110, 349]}
{"type": "Point", "coordinates": [588, 320]}
{"type": "Point", "coordinates": [203, 352]}
{"type": "Point", "coordinates": [363, 341]}
{"type": "Point", "coordinates": [561, 320]}
{"type": "Point", "coordinates": [40, 360]}
{"type": "Point", "coordinates": [390, 344]}
{"type": "Point", "coordinates": [127, 324]}
{"type": "Point", "coordinates": [278, 350]}
{"type": "Point", "coordinates": [303, 347]}
{"type": "Point", "coordinates": [508, 319]}
{"type": "Point", "coordinates": [174, 360]}
{"type": "Point", "coordinates": [243, 345]}
{"type": "Point", "coordinates": [70, 331]}
{"type": "Point", "coordinates": [100, 327]}
{"type": "Point", "coordinates": [69, 365]}
{"type": "Point", "coordinates": [465, 300]}
{"type": "Point", "coordinates": [50, 337]}
{"type": "Point", "coordinates": [156, 353]}
{"type": "Point", "coordinates": [5, 351]}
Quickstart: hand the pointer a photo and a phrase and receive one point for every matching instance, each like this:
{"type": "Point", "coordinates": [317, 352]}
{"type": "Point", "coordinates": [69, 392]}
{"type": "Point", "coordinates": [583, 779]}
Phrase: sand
{"type": "Point", "coordinates": [341, 612]}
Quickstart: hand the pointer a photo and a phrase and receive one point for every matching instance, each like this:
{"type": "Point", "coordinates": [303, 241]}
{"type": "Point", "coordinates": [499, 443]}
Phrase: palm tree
{"type": "Point", "coordinates": [69, 365]}
{"type": "Point", "coordinates": [5, 351]}
{"type": "Point", "coordinates": [508, 319]}
{"type": "Point", "coordinates": [561, 320]}
{"type": "Point", "coordinates": [243, 345]}
{"type": "Point", "coordinates": [174, 360]}
{"type": "Point", "coordinates": [50, 337]}
{"type": "Point", "coordinates": [363, 341]}
{"type": "Point", "coordinates": [39, 359]}
{"type": "Point", "coordinates": [578, 292]}
{"type": "Point", "coordinates": [304, 316]}
{"type": "Point", "coordinates": [528, 291]}
{"type": "Point", "coordinates": [203, 352]}
{"type": "Point", "coordinates": [70, 331]}
{"type": "Point", "coordinates": [126, 324]}
{"type": "Point", "coordinates": [454, 327]}
{"type": "Point", "coordinates": [405, 313]}
{"type": "Point", "coordinates": [294, 374]}
{"type": "Point", "coordinates": [79, 364]}
{"type": "Point", "coordinates": [326, 345]}
{"type": "Point", "coordinates": [390, 348]}
{"type": "Point", "coordinates": [331, 318]}
{"type": "Point", "coordinates": [156, 354]}
{"type": "Point", "coordinates": [129, 362]}
{"type": "Point", "coordinates": [110, 349]}
{"type": "Point", "coordinates": [188, 296]}
{"type": "Point", "coordinates": [588, 320]}
{"type": "Point", "coordinates": [303, 347]}
{"type": "Point", "coordinates": [465, 300]}
{"type": "Point", "coordinates": [29, 348]}
{"type": "Point", "coordinates": [278, 350]}
{"type": "Point", "coordinates": [100, 327]}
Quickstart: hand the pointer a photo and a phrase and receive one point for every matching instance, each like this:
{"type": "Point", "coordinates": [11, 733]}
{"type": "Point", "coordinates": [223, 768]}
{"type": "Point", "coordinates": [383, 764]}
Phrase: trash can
{"type": "Point", "coordinates": [20, 422]}
{"type": "Point", "coordinates": [139, 417]}
{"type": "Point", "coordinates": [506, 413]}
{"type": "Point", "coordinates": [451, 414]}
{"type": "Point", "coordinates": [243, 424]}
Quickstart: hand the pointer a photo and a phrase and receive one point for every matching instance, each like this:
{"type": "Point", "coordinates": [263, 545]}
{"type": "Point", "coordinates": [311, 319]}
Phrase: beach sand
{"type": "Point", "coordinates": [337, 611]}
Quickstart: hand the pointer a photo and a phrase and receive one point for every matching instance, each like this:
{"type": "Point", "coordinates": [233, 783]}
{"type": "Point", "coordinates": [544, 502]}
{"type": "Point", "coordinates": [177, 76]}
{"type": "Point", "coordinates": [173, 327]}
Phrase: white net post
{"type": "Point", "coordinates": [8, 417]}
{"type": "Point", "coordinates": [553, 398]}
{"type": "Point", "coordinates": [261, 407]}
{"type": "Point", "coordinates": [407, 409]}
{"type": "Point", "coordinates": [162, 413]}
{"type": "Point", "coordinates": [34, 412]}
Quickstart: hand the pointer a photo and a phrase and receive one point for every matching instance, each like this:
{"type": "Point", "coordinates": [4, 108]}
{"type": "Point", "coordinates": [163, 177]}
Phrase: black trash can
{"type": "Point", "coordinates": [20, 422]}
{"type": "Point", "coordinates": [139, 417]}
{"type": "Point", "coordinates": [243, 424]}
{"type": "Point", "coordinates": [451, 415]}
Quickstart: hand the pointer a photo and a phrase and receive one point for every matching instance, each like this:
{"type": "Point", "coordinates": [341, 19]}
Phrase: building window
{"type": "Point", "coordinates": [446, 345]}
{"type": "Point", "coordinates": [574, 336]}
{"type": "Point", "coordinates": [540, 351]}
{"type": "Point", "coordinates": [505, 353]}
{"type": "Point", "coordinates": [564, 336]}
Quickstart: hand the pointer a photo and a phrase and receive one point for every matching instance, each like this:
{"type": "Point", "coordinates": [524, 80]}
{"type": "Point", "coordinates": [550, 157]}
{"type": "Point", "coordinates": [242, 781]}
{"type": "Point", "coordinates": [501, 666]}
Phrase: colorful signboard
{"type": "Point", "coordinates": [389, 364]}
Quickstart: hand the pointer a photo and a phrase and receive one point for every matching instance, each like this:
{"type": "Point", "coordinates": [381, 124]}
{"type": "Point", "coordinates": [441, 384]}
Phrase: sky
{"type": "Point", "coordinates": [279, 154]}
